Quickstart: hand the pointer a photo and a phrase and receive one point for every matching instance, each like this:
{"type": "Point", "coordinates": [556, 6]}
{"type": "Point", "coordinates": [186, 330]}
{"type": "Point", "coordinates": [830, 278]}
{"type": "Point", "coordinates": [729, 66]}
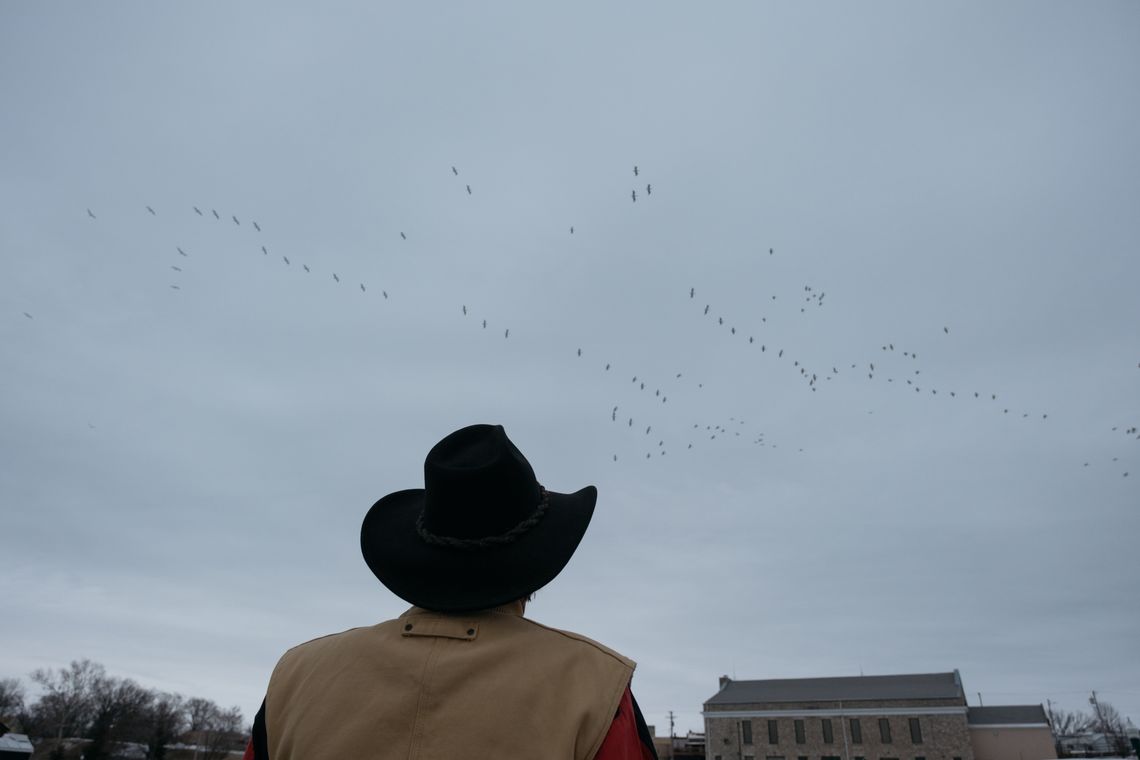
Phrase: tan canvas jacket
{"type": "Point", "coordinates": [433, 686]}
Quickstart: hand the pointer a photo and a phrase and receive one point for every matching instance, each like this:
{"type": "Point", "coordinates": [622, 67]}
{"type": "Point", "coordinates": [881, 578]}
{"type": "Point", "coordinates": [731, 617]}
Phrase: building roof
{"type": "Point", "coordinates": [848, 688]}
{"type": "Point", "coordinates": [1007, 715]}
{"type": "Point", "coordinates": [15, 743]}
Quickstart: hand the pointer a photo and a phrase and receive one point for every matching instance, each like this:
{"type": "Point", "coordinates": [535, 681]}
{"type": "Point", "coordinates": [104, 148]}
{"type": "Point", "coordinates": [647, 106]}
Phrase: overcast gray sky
{"type": "Point", "coordinates": [183, 471]}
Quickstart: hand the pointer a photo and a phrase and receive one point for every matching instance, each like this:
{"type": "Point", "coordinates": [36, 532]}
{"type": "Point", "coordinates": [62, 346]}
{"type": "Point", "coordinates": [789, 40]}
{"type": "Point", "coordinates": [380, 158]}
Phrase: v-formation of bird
{"type": "Point", "coordinates": [811, 378]}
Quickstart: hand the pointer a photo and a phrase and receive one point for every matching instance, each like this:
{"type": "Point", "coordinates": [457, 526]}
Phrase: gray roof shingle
{"type": "Point", "coordinates": [847, 688]}
{"type": "Point", "coordinates": [1007, 715]}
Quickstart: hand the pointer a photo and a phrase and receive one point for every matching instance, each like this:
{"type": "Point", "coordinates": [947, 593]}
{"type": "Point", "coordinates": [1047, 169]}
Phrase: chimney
{"type": "Point", "coordinates": [724, 681]}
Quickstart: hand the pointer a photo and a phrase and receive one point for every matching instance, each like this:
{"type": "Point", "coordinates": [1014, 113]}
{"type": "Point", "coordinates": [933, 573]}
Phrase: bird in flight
{"type": "Point", "coordinates": [706, 308]}
{"type": "Point", "coordinates": [335, 277]}
{"type": "Point", "coordinates": [946, 330]}
{"type": "Point", "coordinates": [633, 194]}
{"type": "Point", "coordinates": [306, 266]}
{"type": "Point", "coordinates": [649, 189]}
{"type": "Point", "coordinates": [90, 214]}
{"type": "Point", "coordinates": [197, 211]}
{"type": "Point", "coordinates": [148, 208]}
{"type": "Point", "coordinates": [235, 220]}
{"type": "Point", "coordinates": [215, 213]}
{"type": "Point", "coordinates": [465, 310]}
{"type": "Point", "coordinates": [469, 189]}
{"type": "Point", "coordinates": [507, 333]}
{"type": "Point", "coordinates": [635, 170]}
{"type": "Point", "coordinates": [579, 352]}
{"type": "Point", "coordinates": [176, 269]}
{"type": "Point", "coordinates": [692, 292]}
{"type": "Point", "coordinates": [571, 229]}
{"type": "Point", "coordinates": [607, 368]}
{"type": "Point", "coordinates": [182, 251]}
{"type": "Point", "coordinates": [286, 260]}
{"type": "Point", "coordinates": [484, 324]}
{"type": "Point", "coordinates": [405, 237]}
{"type": "Point", "coordinates": [257, 226]}
{"type": "Point", "coordinates": [29, 316]}
{"type": "Point", "coordinates": [385, 294]}
{"type": "Point", "coordinates": [175, 287]}
{"type": "Point", "coordinates": [362, 287]}
{"type": "Point", "coordinates": [455, 171]}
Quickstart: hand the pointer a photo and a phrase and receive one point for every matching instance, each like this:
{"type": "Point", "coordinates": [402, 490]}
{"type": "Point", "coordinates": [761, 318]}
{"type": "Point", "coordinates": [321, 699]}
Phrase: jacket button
{"type": "Point", "coordinates": [408, 627]}
{"type": "Point", "coordinates": [470, 631]}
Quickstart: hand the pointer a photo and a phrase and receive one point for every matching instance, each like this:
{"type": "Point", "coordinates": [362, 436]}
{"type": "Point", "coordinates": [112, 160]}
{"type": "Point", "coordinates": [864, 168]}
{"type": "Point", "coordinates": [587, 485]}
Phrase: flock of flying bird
{"type": "Point", "coordinates": [887, 368]}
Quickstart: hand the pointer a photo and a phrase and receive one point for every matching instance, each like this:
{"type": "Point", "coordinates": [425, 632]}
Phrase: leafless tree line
{"type": "Point", "coordinates": [83, 701]}
{"type": "Point", "coordinates": [1103, 719]}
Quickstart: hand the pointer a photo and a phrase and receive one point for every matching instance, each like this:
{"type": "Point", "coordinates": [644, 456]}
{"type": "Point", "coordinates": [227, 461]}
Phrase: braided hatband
{"type": "Point", "coordinates": [482, 543]}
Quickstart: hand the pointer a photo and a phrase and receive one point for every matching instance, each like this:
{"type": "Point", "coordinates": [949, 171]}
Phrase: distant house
{"type": "Point", "coordinates": [1011, 732]}
{"type": "Point", "coordinates": [15, 747]}
{"type": "Point", "coordinates": [691, 746]}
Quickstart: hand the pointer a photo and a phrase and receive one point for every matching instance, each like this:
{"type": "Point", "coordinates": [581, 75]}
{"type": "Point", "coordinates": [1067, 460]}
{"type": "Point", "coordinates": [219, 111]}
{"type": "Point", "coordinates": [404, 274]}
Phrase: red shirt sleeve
{"type": "Point", "coordinates": [248, 751]}
{"type": "Point", "coordinates": [624, 741]}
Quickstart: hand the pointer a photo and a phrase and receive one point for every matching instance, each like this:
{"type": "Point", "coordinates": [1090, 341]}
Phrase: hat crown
{"type": "Point", "coordinates": [477, 484]}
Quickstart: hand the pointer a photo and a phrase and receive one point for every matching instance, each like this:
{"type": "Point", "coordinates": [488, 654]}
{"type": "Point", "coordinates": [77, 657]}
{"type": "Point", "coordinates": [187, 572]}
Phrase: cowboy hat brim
{"type": "Point", "coordinates": [447, 579]}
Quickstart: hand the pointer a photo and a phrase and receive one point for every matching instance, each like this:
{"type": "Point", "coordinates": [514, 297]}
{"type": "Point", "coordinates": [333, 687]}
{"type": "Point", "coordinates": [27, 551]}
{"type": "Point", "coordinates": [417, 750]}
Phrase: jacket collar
{"type": "Point", "coordinates": [510, 608]}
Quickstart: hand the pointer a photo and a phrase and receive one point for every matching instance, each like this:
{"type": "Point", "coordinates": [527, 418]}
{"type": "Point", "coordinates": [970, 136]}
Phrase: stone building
{"type": "Point", "coordinates": [898, 717]}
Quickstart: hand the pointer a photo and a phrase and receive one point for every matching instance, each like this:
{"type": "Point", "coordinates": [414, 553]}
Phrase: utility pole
{"type": "Point", "coordinates": [670, 735]}
{"type": "Point", "coordinates": [980, 703]}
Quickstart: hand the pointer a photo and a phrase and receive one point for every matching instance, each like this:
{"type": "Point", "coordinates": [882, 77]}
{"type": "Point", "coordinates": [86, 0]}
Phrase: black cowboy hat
{"type": "Point", "coordinates": [482, 532]}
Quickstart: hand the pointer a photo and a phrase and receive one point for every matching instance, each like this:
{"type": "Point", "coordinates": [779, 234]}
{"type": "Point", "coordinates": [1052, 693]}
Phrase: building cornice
{"type": "Point", "coordinates": [835, 712]}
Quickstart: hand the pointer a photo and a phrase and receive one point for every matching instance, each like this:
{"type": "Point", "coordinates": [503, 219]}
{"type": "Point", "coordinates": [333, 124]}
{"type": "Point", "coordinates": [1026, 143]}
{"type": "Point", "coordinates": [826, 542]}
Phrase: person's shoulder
{"type": "Point", "coordinates": [334, 640]}
{"type": "Point", "coordinates": [584, 641]}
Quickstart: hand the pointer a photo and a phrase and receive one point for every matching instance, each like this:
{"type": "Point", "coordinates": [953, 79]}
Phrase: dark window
{"type": "Point", "coordinates": [775, 757]}
{"type": "Point", "coordinates": [800, 738]}
{"type": "Point", "coordinates": [773, 732]}
{"type": "Point", "coordinates": [915, 731]}
{"type": "Point", "coordinates": [802, 757]}
{"type": "Point", "coordinates": [885, 732]}
{"type": "Point", "coordinates": [746, 731]}
{"type": "Point", "coordinates": [919, 758]}
{"type": "Point", "coordinates": [856, 732]}
{"type": "Point", "coordinates": [828, 737]}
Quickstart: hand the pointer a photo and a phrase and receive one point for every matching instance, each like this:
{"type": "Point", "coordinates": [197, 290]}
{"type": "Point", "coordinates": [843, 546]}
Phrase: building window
{"type": "Point", "coordinates": [885, 732]}
{"type": "Point", "coordinates": [920, 758]}
{"type": "Point", "coordinates": [750, 757]}
{"type": "Point", "coordinates": [773, 732]}
{"type": "Point", "coordinates": [717, 757]}
{"type": "Point", "coordinates": [800, 738]}
{"type": "Point", "coordinates": [746, 731]}
{"type": "Point", "coordinates": [775, 757]}
{"type": "Point", "coordinates": [828, 737]}
{"type": "Point", "coordinates": [856, 732]}
{"type": "Point", "coordinates": [915, 731]}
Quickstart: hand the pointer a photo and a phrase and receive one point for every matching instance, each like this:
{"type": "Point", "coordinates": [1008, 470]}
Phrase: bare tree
{"type": "Point", "coordinates": [1068, 722]}
{"type": "Point", "coordinates": [215, 729]}
{"type": "Point", "coordinates": [1107, 720]}
{"type": "Point", "coordinates": [11, 698]}
{"type": "Point", "coordinates": [66, 702]}
{"type": "Point", "coordinates": [165, 720]}
{"type": "Point", "coordinates": [119, 708]}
